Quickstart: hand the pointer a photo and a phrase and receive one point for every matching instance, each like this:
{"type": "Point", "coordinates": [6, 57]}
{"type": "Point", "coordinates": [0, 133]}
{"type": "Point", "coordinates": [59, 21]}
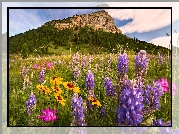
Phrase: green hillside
{"type": "Point", "coordinates": [46, 38]}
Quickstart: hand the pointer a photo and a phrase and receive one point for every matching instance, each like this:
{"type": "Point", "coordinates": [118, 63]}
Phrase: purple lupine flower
{"type": "Point", "coordinates": [108, 86]}
{"type": "Point", "coordinates": [41, 76]}
{"type": "Point", "coordinates": [75, 59]}
{"type": "Point", "coordinates": [76, 73]}
{"type": "Point", "coordinates": [83, 61]}
{"type": "Point", "coordinates": [90, 59]}
{"type": "Point", "coordinates": [152, 96]}
{"type": "Point", "coordinates": [90, 80]}
{"type": "Point", "coordinates": [130, 110]}
{"type": "Point", "coordinates": [122, 66]}
{"type": "Point", "coordinates": [48, 115]}
{"type": "Point", "coordinates": [23, 72]}
{"type": "Point", "coordinates": [141, 63]}
{"type": "Point", "coordinates": [30, 103]}
{"type": "Point", "coordinates": [158, 122]}
{"type": "Point", "coordinates": [78, 111]}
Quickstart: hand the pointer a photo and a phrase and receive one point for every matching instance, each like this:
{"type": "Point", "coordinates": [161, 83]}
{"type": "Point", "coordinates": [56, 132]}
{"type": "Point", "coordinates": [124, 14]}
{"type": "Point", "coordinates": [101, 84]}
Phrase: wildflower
{"type": "Point", "coordinates": [90, 81]}
{"type": "Point", "coordinates": [49, 65]}
{"type": "Point", "coordinates": [122, 66]}
{"type": "Point", "coordinates": [158, 122]}
{"type": "Point", "coordinates": [152, 96]}
{"type": "Point", "coordinates": [164, 83]}
{"type": "Point", "coordinates": [71, 86]}
{"type": "Point", "coordinates": [95, 101]}
{"type": "Point", "coordinates": [78, 111]}
{"type": "Point", "coordinates": [68, 85]}
{"type": "Point", "coordinates": [30, 103]}
{"type": "Point", "coordinates": [141, 64]}
{"type": "Point", "coordinates": [83, 61]}
{"type": "Point", "coordinates": [174, 89]}
{"type": "Point", "coordinates": [129, 112]}
{"type": "Point", "coordinates": [41, 76]}
{"type": "Point", "coordinates": [59, 99]}
{"type": "Point", "coordinates": [36, 66]}
{"type": "Point", "coordinates": [40, 87]}
{"type": "Point", "coordinates": [76, 73]}
{"type": "Point", "coordinates": [48, 115]}
{"type": "Point", "coordinates": [57, 89]}
{"type": "Point", "coordinates": [76, 90]}
{"type": "Point", "coordinates": [75, 59]}
{"type": "Point", "coordinates": [109, 86]}
{"type": "Point", "coordinates": [56, 80]}
{"type": "Point", "coordinates": [45, 89]}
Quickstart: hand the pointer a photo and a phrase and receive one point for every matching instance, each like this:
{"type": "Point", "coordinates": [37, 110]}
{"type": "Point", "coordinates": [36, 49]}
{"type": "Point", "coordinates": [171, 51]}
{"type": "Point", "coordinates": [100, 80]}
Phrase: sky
{"type": "Point", "coordinates": [150, 25]}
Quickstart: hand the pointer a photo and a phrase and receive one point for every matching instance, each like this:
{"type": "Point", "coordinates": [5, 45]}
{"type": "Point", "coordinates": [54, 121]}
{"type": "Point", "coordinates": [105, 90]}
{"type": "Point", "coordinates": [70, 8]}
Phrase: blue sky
{"type": "Point", "coordinates": [148, 25]}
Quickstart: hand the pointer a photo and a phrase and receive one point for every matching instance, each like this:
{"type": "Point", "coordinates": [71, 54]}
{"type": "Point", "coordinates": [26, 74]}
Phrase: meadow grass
{"type": "Point", "coordinates": [18, 96]}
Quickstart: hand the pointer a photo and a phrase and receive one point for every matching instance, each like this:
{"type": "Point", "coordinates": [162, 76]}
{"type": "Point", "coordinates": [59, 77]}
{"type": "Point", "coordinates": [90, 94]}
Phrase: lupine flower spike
{"type": "Point", "coordinates": [30, 103]}
{"type": "Point", "coordinates": [78, 111]}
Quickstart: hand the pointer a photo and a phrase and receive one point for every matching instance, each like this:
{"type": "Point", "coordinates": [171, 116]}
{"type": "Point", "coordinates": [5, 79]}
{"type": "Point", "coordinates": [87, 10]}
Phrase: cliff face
{"type": "Point", "coordinates": [96, 20]}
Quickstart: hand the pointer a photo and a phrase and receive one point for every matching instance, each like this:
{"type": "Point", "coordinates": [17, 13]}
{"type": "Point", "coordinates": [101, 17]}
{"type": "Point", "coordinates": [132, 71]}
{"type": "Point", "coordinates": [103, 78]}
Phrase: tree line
{"type": "Point", "coordinates": [40, 39]}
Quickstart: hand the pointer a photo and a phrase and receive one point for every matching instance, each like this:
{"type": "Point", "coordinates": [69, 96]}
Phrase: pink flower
{"type": "Point", "coordinates": [174, 89]}
{"type": "Point", "coordinates": [164, 83]}
{"type": "Point", "coordinates": [49, 65]}
{"type": "Point", "coordinates": [48, 115]}
{"type": "Point", "coordinates": [36, 66]}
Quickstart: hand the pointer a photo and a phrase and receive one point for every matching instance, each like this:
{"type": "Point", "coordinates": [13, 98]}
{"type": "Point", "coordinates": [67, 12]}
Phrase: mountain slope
{"type": "Point", "coordinates": [98, 31]}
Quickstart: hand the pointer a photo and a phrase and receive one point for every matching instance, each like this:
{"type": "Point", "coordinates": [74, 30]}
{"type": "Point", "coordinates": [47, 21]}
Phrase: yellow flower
{"type": "Point", "coordinates": [56, 80]}
{"type": "Point", "coordinates": [76, 90]}
{"type": "Point", "coordinates": [40, 87]}
{"type": "Point", "coordinates": [68, 85]}
{"type": "Point", "coordinates": [59, 99]}
{"type": "Point", "coordinates": [95, 101]}
{"type": "Point", "coordinates": [46, 90]}
{"type": "Point", "coordinates": [57, 89]}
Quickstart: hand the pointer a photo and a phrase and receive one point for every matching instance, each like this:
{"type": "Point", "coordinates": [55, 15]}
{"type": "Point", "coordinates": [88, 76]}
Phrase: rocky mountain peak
{"type": "Point", "coordinates": [97, 20]}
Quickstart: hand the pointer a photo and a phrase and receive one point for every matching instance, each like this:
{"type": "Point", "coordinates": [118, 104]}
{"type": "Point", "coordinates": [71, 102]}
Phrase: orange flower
{"type": "Point", "coordinates": [95, 101]}
{"type": "Point", "coordinates": [76, 90]}
{"type": "Point", "coordinates": [57, 89]}
{"type": "Point", "coordinates": [59, 99]}
{"type": "Point", "coordinates": [46, 90]}
{"type": "Point", "coordinates": [56, 80]}
{"type": "Point", "coordinates": [40, 87]}
{"type": "Point", "coordinates": [70, 86]}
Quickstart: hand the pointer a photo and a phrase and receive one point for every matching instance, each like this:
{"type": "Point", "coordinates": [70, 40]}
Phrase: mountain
{"type": "Point", "coordinates": [84, 33]}
{"type": "Point", "coordinates": [98, 20]}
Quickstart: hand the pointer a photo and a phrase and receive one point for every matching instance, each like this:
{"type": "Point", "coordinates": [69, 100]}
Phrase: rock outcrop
{"type": "Point", "coordinates": [97, 20]}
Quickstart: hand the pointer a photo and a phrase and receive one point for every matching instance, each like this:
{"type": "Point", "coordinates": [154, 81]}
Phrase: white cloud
{"type": "Point", "coordinates": [144, 20]}
{"type": "Point", "coordinates": [165, 41]}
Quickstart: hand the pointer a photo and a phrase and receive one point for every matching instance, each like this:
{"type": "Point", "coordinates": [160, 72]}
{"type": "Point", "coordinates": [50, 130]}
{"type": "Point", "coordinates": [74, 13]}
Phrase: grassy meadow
{"type": "Point", "coordinates": [62, 64]}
